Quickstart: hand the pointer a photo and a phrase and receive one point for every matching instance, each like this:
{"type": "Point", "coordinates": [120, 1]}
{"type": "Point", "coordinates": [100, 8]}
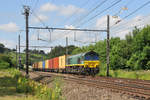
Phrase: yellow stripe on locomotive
{"type": "Point", "coordinates": [91, 64]}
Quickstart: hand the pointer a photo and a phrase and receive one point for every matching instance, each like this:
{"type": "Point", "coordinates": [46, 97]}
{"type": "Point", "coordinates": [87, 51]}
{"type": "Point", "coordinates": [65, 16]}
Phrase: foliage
{"type": "Point", "coordinates": [2, 48]}
{"type": "Point", "coordinates": [5, 61]}
{"type": "Point", "coordinates": [24, 85]}
{"type": "Point", "coordinates": [141, 74]}
{"type": "Point", "coordinates": [131, 53]}
{"type": "Point", "coordinates": [59, 51]}
{"type": "Point", "coordinates": [34, 51]}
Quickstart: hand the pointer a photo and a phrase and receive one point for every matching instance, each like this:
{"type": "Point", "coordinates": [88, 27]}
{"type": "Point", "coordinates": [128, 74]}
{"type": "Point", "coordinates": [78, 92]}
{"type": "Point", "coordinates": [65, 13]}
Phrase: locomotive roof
{"type": "Point", "coordinates": [83, 54]}
{"type": "Point", "coordinates": [77, 55]}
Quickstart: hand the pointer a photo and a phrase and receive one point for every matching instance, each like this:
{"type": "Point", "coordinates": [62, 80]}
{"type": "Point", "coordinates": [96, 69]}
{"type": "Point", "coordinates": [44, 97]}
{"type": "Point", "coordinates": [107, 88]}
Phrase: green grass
{"type": "Point", "coordinates": [139, 74]}
{"type": "Point", "coordinates": [14, 86]}
{"type": "Point", "coordinates": [8, 87]}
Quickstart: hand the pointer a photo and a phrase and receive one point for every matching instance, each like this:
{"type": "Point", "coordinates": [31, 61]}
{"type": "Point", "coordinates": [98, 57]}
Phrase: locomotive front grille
{"type": "Point", "coordinates": [91, 64]}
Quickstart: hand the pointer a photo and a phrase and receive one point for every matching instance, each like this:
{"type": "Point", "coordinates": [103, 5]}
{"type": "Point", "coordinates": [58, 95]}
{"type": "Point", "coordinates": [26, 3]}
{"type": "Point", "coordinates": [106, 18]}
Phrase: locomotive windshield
{"type": "Point", "coordinates": [91, 56]}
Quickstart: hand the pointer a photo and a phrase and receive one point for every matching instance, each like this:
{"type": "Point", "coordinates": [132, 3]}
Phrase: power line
{"type": "Point", "coordinates": [129, 28]}
{"type": "Point", "coordinates": [89, 13]}
{"type": "Point", "coordinates": [67, 29]}
{"type": "Point", "coordinates": [37, 46]}
{"type": "Point", "coordinates": [75, 13]}
{"type": "Point", "coordinates": [43, 25]}
{"type": "Point", "coordinates": [67, 19]}
{"type": "Point", "coordinates": [34, 7]}
{"type": "Point", "coordinates": [125, 7]}
{"type": "Point", "coordinates": [137, 9]}
{"type": "Point", "coordinates": [99, 13]}
{"type": "Point", "coordinates": [133, 12]}
{"type": "Point", "coordinates": [92, 10]}
{"type": "Point", "coordinates": [38, 18]}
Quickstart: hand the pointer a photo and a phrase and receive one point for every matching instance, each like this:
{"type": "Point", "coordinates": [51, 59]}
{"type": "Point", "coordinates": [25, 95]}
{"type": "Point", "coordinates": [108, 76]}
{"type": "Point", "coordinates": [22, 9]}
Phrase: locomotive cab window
{"type": "Point", "coordinates": [79, 60]}
{"type": "Point", "coordinates": [91, 56]}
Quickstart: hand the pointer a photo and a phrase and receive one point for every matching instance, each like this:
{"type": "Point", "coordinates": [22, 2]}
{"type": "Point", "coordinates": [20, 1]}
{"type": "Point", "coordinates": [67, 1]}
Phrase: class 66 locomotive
{"type": "Point", "coordinates": [84, 63]}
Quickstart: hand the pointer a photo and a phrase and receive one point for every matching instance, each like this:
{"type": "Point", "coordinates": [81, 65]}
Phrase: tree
{"type": "Point", "coordinates": [59, 51]}
{"type": "Point", "coordinates": [2, 48]}
{"type": "Point", "coordinates": [5, 61]}
{"type": "Point", "coordinates": [140, 49]}
{"type": "Point", "coordinates": [42, 52]}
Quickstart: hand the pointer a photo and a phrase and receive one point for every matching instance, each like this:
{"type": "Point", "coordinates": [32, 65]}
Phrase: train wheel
{"type": "Point", "coordinates": [93, 72]}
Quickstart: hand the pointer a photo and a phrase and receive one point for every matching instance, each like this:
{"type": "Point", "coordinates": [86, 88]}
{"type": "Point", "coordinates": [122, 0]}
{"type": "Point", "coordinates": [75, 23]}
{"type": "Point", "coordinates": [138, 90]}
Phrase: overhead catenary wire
{"type": "Point", "coordinates": [145, 4]}
{"type": "Point", "coordinates": [92, 10]}
{"type": "Point", "coordinates": [75, 14]}
{"type": "Point", "coordinates": [137, 9]}
{"type": "Point", "coordinates": [132, 27]}
{"type": "Point", "coordinates": [43, 25]}
{"type": "Point", "coordinates": [100, 4]}
{"type": "Point", "coordinates": [126, 6]}
{"type": "Point", "coordinates": [38, 46]}
{"type": "Point", "coordinates": [38, 18]}
{"type": "Point", "coordinates": [100, 13]}
{"type": "Point", "coordinates": [34, 7]}
{"type": "Point", "coordinates": [77, 29]}
{"type": "Point", "coordinates": [77, 10]}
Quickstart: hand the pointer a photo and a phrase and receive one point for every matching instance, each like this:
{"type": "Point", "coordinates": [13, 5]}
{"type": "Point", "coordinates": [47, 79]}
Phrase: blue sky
{"type": "Point", "coordinates": [68, 14]}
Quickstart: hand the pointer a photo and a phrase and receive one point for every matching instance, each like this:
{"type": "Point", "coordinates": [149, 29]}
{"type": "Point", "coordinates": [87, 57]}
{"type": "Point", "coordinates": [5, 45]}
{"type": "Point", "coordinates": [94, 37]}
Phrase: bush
{"type": "Point", "coordinates": [24, 85]}
{"type": "Point", "coordinates": [5, 61]}
{"type": "Point", "coordinates": [4, 65]}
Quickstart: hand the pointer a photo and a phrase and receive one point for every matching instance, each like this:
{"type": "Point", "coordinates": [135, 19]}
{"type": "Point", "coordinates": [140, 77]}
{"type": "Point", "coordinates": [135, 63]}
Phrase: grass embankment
{"type": "Point", "coordinates": [14, 86]}
{"type": "Point", "coordinates": [138, 74]}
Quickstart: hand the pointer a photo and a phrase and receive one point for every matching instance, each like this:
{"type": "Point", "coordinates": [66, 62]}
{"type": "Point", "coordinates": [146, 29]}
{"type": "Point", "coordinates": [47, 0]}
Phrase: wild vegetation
{"type": "Point", "coordinates": [59, 51]}
{"type": "Point", "coordinates": [131, 53]}
{"type": "Point", "coordinates": [13, 83]}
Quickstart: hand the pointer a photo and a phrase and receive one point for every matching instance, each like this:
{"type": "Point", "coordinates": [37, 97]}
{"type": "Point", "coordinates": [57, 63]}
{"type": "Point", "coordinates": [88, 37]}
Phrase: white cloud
{"type": "Point", "coordinates": [39, 18]}
{"type": "Point", "coordinates": [101, 23]}
{"type": "Point", "coordinates": [8, 43]}
{"type": "Point", "coordinates": [45, 35]}
{"type": "Point", "coordinates": [48, 7]}
{"type": "Point", "coordinates": [65, 10]}
{"type": "Point", "coordinates": [69, 26]}
{"type": "Point", "coordinates": [124, 26]}
{"type": "Point", "coordinates": [69, 10]}
{"type": "Point", "coordinates": [10, 27]}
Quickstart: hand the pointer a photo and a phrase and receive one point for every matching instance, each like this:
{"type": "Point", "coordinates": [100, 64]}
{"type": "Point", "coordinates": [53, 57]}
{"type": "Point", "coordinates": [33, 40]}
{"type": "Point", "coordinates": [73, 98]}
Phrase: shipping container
{"type": "Point", "coordinates": [43, 64]}
{"type": "Point", "coordinates": [56, 63]}
{"type": "Point", "coordinates": [50, 64]}
{"type": "Point", "coordinates": [46, 64]}
{"type": "Point", "coordinates": [40, 65]}
{"type": "Point", "coordinates": [62, 62]}
{"type": "Point", "coordinates": [33, 66]}
{"type": "Point", "coordinates": [36, 65]}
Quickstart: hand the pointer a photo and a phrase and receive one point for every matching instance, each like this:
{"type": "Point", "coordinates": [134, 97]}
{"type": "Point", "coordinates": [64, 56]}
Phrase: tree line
{"type": "Point", "coordinates": [133, 52]}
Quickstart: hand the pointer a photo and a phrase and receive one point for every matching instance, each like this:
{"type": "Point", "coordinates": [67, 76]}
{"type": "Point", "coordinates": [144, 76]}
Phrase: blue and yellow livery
{"type": "Point", "coordinates": [84, 63]}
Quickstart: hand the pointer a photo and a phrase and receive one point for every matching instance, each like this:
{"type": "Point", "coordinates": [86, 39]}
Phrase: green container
{"type": "Point", "coordinates": [76, 59]}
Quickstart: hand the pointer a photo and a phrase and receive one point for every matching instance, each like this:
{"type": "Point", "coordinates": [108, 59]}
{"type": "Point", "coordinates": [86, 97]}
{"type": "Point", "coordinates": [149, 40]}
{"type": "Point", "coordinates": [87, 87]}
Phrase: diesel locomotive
{"type": "Point", "coordinates": [83, 63]}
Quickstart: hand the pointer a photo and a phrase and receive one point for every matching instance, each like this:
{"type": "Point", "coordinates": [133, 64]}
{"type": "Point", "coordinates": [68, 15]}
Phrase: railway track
{"type": "Point", "coordinates": [136, 88]}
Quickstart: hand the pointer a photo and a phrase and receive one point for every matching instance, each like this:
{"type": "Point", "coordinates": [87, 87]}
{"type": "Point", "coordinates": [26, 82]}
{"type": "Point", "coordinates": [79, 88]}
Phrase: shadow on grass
{"type": "Point", "coordinates": [7, 86]}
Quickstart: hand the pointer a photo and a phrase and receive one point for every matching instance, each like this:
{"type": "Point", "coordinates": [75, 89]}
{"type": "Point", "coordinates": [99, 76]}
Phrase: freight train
{"type": "Point", "coordinates": [83, 63]}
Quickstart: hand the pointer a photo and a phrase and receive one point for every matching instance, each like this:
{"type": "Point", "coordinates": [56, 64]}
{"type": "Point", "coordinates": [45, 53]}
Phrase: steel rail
{"type": "Point", "coordinates": [132, 89]}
